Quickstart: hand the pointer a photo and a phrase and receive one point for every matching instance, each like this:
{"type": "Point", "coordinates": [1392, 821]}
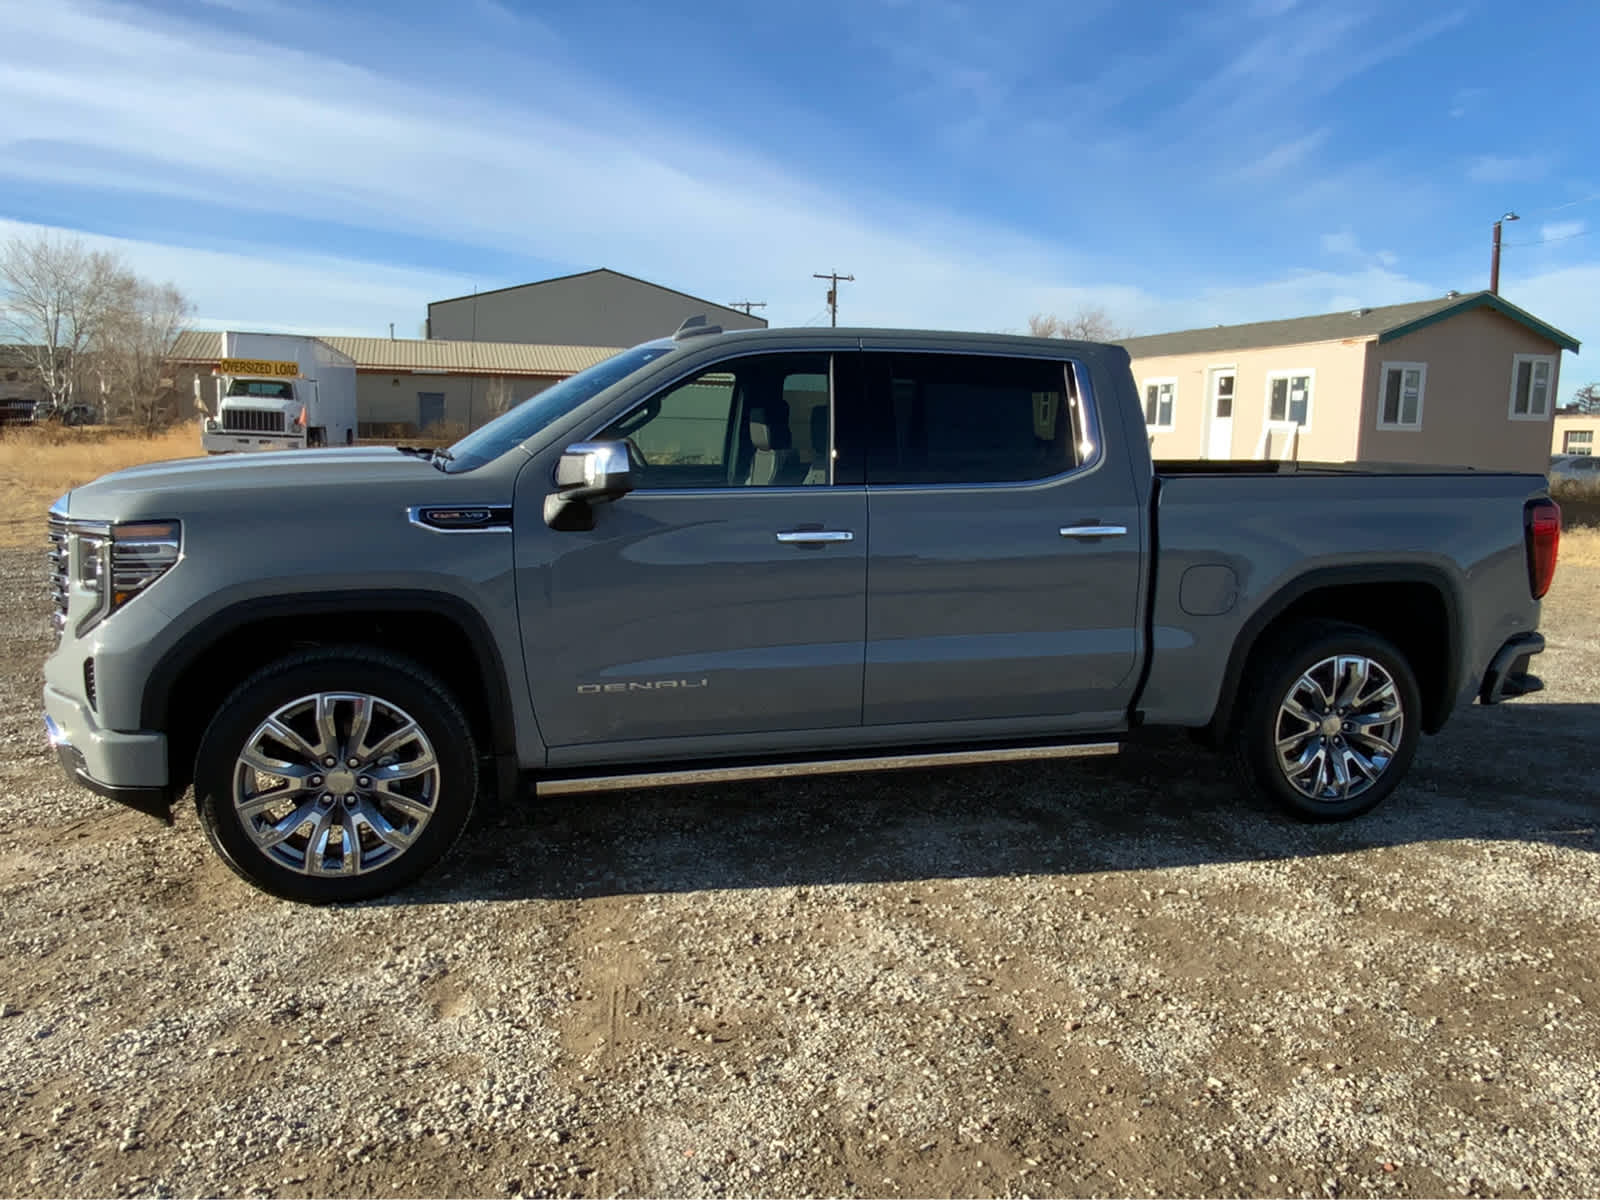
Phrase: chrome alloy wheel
{"type": "Point", "coordinates": [336, 784]}
{"type": "Point", "coordinates": [1339, 728]}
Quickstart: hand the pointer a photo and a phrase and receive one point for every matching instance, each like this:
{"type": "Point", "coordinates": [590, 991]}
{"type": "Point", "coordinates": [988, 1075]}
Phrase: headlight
{"type": "Point", "coordinates": [141, 553]}
{"type": "Point", "coordinates": [117, 563]}
{"type": "Point", "coordinates": [92, 562]}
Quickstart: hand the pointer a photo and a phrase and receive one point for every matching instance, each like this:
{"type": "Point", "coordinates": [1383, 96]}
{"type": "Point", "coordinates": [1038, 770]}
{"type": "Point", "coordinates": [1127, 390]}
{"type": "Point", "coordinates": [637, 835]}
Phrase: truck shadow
{"type": "Point", "coordinates": [1522, 772]}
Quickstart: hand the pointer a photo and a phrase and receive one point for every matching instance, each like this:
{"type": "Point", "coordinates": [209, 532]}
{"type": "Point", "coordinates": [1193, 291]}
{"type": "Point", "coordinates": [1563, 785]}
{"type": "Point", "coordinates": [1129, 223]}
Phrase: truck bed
{"type": "Point", "coordinates": [1228, 538]}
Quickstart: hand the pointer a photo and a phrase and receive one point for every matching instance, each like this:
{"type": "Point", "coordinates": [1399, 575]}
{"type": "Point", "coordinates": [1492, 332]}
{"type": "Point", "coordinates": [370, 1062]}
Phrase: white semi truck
{"type": "Point", "coordinates": [277, 391]}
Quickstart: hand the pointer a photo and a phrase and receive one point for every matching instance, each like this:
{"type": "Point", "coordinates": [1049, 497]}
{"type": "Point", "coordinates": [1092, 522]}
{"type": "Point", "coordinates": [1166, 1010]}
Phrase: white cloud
{"type": "Point", "coordinates": [1282, 157]}
{"type": "Point", "coordinates": [266, 289]}
{"type": "Point", "coordinates": [315, 139]}
{"type": "Point", "coordinates": [1465, 100]}
{"type": "Point", "coordinates": [1493, 168]}
{"type": "Point", "coordinates": [1345, 244]}
{"type": "Point", "coordinates": [1556, 231]}
{"type": "Point", "coordinates": [1564, 298]}
{"type": "Point", "coordinates": [1340, 243]}
{"type": "Point", "coordinates": [108, 98]}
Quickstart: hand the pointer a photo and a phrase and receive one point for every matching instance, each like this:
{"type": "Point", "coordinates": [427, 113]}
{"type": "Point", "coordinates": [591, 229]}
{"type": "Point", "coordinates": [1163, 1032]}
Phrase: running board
{"type": "Point", "coordinates": [829, 766]}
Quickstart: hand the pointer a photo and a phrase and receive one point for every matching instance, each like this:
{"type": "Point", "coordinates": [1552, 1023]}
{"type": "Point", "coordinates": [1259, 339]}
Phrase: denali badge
{"type": "Point", "coordinates": [657, 685]}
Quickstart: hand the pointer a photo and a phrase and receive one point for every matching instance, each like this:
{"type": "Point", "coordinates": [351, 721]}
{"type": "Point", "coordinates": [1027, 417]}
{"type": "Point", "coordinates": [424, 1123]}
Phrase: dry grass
{"type": "Point", "coordinates": [40, 463]}
{"type": "Point", "coordinates": [1579, 548]}
{"type": "Point", "coordinates": [1580, 504]}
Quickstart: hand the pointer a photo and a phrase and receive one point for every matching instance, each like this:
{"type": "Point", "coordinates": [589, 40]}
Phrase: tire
{"type": "Point", "coordinates": [1351, 747]}
{"type": "Point", "coordinates": [326, 833]}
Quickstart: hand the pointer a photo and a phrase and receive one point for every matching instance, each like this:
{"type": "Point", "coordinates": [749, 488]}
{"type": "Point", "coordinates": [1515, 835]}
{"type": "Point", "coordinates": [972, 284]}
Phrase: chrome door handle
{"type": "Point", "coordinates": [815, 537]}
{"type": "Point", "coordinates": [1093, 531]}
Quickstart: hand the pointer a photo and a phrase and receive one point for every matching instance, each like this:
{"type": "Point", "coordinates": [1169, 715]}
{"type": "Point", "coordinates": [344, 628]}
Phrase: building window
{"type": "Point", "coordinates": [1289, 398]}
{"type": "Point", "coordinates": [1578, 441]}
{"type": "Point", "coordinates": [1400, 401]}
{"type": "Point", "coordinates": [1159, 398]}
{"type": "Point", "coordinates": [1531, 376]}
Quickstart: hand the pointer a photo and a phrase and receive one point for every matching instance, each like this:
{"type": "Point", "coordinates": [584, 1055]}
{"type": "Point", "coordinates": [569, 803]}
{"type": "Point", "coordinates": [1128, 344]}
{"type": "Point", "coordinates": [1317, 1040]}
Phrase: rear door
{"type": "Point", "coordinates": [1004, 573]}
{"type": "Point", "coordinates": [726, 594]}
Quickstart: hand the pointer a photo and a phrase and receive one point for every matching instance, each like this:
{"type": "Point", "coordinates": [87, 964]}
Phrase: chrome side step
{"type": "Point", "coordinates": [829, 766]}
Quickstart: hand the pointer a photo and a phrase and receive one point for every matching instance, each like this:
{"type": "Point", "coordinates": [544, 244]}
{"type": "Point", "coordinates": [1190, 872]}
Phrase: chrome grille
{"type": "Point", "coordinates": [251, 420]}
{"type": "Point", "coordinates": [59, 559]}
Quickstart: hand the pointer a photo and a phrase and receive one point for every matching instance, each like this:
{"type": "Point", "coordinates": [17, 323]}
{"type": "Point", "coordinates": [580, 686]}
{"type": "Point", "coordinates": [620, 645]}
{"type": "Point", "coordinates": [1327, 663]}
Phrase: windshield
{"type": "Point", "coordinates": [266, 389]}
{"type": "Point", "coordinates": [517, 425]}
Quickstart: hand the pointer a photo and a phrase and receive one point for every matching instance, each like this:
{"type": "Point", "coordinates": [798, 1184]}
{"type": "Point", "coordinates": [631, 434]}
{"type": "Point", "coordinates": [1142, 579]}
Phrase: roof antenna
{"type": "Point", "coordinates": [695, 326]}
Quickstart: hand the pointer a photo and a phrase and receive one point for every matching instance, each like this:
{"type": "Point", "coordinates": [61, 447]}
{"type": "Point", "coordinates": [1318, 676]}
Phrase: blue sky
{"type": "Point", "coordinates": [333, 168]}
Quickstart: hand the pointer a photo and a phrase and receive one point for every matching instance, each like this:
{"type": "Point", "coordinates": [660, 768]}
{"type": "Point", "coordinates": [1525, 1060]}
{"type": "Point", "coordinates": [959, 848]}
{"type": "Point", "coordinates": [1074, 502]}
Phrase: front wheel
{"type": "Point", "coordinates": [336, 775]}
{"type": "Point", "coordinates": [1330, 721]}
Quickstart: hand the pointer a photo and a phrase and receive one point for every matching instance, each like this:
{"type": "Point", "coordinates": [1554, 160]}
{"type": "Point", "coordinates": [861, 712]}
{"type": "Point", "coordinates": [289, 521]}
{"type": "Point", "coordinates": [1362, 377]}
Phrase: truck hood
{"type": "Point", "coordinates": [267, 478]}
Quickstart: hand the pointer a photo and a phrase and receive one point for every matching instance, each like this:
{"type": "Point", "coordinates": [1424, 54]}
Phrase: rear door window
{"type": "Point", "coordinates": [967, 419]}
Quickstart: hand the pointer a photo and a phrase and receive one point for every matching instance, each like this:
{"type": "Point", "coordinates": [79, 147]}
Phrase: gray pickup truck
{"type": "Point", "coordinates": [752, 549]}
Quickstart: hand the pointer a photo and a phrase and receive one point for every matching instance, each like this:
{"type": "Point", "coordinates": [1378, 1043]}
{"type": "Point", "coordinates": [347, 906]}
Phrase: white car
{"type": "Point", "coordinates": [1575, 468]}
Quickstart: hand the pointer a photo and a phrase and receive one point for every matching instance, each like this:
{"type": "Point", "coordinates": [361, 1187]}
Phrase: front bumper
{"type": "Point", "coordinates": [130, 768]}
{"type": "Point", "coordinates": [235, 443]}
{"type": "Point", "coordinates": [1507, 676]}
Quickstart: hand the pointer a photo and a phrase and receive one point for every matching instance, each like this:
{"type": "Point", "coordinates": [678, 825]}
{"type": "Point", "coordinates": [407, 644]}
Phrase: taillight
{"type": "Point", "coordinates": [1542, 525]}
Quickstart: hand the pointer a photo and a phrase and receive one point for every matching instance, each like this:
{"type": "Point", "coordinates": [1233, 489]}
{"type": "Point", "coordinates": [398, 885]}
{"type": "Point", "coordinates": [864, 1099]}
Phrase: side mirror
{"type": "Point", "coordinates": [587, 472]}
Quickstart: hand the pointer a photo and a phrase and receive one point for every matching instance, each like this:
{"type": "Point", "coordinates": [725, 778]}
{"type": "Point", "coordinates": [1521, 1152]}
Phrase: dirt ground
{"type": "Point", "coordinates": [1079, 977]}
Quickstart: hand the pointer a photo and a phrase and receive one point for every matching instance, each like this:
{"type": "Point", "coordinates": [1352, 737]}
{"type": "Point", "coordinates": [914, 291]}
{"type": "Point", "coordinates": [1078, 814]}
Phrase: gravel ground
{"type": "Point", "coordinates": [1062, 978]}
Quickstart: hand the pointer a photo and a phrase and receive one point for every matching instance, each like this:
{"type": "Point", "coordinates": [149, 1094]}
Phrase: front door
{"type": "Point", "coordinates": [1219, 438]}
{"type": "Point", "coordinates": [430, 409]}
{"type": "Point", "coordinates": [726, 594]}
{"type": "Point", "coordinates": [1004, 575]}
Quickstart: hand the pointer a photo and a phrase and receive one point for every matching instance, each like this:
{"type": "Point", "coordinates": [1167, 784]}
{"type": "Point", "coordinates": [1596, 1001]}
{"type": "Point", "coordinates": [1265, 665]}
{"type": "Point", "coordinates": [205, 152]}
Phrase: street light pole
{"type": "Point", "coordinates": [1494, 258]}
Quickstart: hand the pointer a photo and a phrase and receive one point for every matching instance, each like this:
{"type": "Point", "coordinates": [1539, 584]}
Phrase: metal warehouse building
{"type": "Point", "coordinates": [405, 386]}
{"type": "Point", "coordinates": [594, 308]}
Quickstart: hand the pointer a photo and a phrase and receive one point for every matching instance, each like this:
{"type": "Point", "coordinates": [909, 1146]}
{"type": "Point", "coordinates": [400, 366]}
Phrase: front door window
{"type": "Point", "coordinates": [760, 421]}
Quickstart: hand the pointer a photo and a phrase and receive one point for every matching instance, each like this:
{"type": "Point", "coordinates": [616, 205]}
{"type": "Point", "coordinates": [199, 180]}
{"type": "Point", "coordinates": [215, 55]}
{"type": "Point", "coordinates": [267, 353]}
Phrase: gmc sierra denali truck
{"type": "Point", "coordinates": [757, 548]}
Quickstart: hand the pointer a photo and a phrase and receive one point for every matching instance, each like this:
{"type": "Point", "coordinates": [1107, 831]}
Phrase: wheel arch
{"type": "Point", "coordinates": [439, 631]}
{"type": "Point", "coordinates": [1419, 609]}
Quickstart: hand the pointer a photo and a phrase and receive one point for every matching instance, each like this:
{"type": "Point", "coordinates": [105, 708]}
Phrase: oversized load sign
{"type": "Point", "coordinates": [257, 366]}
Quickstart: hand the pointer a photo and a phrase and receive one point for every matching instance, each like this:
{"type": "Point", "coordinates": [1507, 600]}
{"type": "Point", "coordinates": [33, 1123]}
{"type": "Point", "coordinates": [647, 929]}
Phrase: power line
{"type": "Point", "coordinates": [747, 305]}
{"type": "Point", "coordinates": [833, 278]}
{"type": "Point", "coordinates": [1568, 204]}
{"type": "Point", "coordinates": [1566, 237]}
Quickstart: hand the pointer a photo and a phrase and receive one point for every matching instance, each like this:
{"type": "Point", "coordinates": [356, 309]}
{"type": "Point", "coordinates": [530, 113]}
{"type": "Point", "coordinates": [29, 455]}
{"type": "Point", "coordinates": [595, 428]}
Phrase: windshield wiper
{"type": "Point", "coordinates": [419, 451]}
{"type": "Point", "coordinates": [440, 457]}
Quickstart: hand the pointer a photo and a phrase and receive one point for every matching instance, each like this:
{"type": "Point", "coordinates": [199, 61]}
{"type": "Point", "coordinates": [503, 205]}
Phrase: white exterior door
{"type": "Point", "coordinates": [1219, 435]}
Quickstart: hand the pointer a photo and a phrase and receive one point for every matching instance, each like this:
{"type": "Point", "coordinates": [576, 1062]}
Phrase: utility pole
{"type": "Point", "coordinates": [747, 305]}
{"type": "Point", "coordinates": [833, 278]}
{"type": "Point", "coordinates": [1494, 257]}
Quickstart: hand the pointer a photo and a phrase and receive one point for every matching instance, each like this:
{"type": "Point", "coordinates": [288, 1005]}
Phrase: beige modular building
{"type": "Point", "coordinates": [408, 386]}
{"type": "Point", "coordinates": [1576, 433]}
{"type": "Point", "coordinates": [1463, 380]}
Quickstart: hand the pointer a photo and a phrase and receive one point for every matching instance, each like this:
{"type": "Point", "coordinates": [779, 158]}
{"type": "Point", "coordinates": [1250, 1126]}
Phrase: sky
{"type": "Point", "coordinates": [332, 168]}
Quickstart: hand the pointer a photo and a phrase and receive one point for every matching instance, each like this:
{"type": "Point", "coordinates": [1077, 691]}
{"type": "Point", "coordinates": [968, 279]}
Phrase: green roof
{"type": "Point", "coordinates": [1385, 324]}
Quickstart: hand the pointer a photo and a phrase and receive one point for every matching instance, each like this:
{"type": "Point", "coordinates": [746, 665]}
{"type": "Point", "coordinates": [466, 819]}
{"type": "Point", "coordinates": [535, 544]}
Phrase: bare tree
{"type": "Point", "coordinates": [133, 358]}
{"type": "Point", "coordinates": [92, 330]}
{"type": "Point", "coordinates": [499, 395]}
{"type": "Point", "coordinates": [1091, 324]}
{"type": "Point", "coordinates": [57, 296]}
{"type": "Point", "coordinates": [1587, 398]}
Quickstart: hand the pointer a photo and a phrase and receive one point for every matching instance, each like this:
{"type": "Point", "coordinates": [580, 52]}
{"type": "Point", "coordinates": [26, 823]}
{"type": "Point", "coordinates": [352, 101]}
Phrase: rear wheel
{"type": "Point", "coordinates": [336, 775]}
{"type": "Point", "coordinates": [1330, 720]}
